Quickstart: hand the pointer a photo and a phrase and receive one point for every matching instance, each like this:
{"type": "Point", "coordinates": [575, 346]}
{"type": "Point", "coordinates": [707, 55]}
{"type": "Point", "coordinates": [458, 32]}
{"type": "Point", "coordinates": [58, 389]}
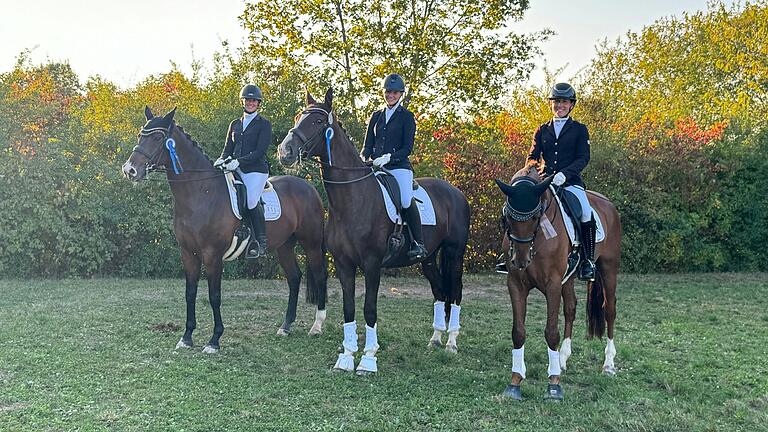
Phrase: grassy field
{"type": "Point", "coordinates": [99, 355]}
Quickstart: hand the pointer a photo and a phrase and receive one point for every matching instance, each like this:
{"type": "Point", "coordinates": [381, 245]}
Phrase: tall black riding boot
{"type": "Point", "coordinates": [413, 219]}
{"type": "Point", "coordinates": [258, 245]}
{"type": "Point", "coordinates": [588, 233]}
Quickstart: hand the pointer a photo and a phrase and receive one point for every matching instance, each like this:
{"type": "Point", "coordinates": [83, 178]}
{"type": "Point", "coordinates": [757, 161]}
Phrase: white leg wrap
{"type": "Point", "coordinates": [453, 322]}
{"type": "Point", "coordinates": [565, 352]}
{"type": "Point", "coordinates": [371, 340]}
{"type": "Point", "coordinates": [554, 363]}
{"type": "Point", "coordinates": [610, 352]}
{"type": "Point", "coordinates": [438, 323]}
{"type": "Point", "coordinates": [518, 362]}
{"type": "Point", "coordinates": [350, 337]}
{"type": "Point", "coordinates": [367, 364]}
{"type": "Point", "coordinates": [345, 362]}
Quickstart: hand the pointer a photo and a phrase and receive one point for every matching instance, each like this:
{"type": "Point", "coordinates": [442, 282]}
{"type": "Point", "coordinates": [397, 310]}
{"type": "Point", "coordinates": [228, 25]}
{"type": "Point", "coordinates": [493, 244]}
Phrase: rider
{"type": "Point", "coordinates": [389, 141]}
{"type": "Point", "coordinates": [245, 152]}
{"type": "Point", "coordinates": [563, 143]}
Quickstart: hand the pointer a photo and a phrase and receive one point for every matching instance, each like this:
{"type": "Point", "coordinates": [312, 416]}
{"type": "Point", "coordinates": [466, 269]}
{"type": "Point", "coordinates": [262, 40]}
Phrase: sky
{"type": "Point", "coordinates": [126, 41]}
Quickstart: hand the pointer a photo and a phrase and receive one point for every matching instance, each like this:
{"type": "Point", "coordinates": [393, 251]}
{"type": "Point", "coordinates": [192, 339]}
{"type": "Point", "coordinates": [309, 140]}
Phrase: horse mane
{"type": "Point", "coordinates": [195, 144]}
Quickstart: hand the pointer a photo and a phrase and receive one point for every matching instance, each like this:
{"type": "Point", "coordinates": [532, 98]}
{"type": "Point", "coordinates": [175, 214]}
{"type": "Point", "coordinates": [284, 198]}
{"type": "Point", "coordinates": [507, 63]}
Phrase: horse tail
{"type": "Point", "coordinates": [317, 282]}
{"type": "Point", "coordinates": [451, 262]}
{"type": "Point", "coordinates": [595, 309]}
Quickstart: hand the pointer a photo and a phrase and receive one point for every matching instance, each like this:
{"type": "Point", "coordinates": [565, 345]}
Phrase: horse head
{"type": "Point", "coordinates": [309, 131]}
{"type": "Point", "coordinates": [148, 152]}
{"type": "Point", "coordinates": [522, 213]}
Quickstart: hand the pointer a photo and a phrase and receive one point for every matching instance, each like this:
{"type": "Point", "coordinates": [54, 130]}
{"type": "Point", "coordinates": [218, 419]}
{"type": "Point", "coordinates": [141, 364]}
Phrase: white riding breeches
{"type": "Point", "coordinates": [405, 181]}
{"type": "Point", "coordinates": [254, 184]}
{"type": "Point", "coordinates": [581, 194]}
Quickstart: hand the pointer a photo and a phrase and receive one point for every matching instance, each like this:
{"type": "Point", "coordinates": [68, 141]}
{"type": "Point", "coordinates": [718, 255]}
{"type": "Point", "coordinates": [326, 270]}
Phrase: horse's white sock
{"type": "Point", "coordinates": [439, 320]}
{"type": "Point", "coordinates": [453, 322]}
{"type": "Point", "coordinates": [518, 363]}
{"type": "Point", "coordinates": [554, 363]}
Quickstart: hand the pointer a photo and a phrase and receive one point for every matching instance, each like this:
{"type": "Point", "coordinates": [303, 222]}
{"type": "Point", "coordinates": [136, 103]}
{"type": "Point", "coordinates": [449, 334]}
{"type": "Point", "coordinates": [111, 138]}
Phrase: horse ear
{"type": "Point", "coordinates": [541, 187]}
{"type": "Point", "coordinates": [329, 97]}
{"type": "Point", "coordinates": [310, 99]}
{"type": "Point", "coordinates": [507, 189]}
{"type": "Point", "coordinates": [168, 117]}
{"type": "Point", "coordinates": [148, 113]}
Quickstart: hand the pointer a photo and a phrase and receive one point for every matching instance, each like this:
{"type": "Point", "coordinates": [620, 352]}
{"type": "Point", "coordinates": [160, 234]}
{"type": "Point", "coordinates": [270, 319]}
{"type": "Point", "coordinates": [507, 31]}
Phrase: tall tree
{"type": "Point", "coordinates": [449, 51]}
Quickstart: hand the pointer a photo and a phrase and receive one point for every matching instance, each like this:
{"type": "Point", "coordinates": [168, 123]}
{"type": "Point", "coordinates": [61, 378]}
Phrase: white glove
{"type": "Point", "coordinates": [232, 165]}
{"type": "Point", "coordinates": [382, 160]}
{"type": "Point", "coordinates": [559, 179]}
{"type": "Point", "coordinates": [219, 162]}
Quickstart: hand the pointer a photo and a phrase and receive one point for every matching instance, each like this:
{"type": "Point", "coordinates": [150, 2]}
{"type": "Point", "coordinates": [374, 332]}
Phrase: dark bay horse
{"type": "Point", "coordinates": [538, 252]}
{"type": "Point", "coordinates": [358, 228]}
{"type": "Point", "coordinates": [204, 223]}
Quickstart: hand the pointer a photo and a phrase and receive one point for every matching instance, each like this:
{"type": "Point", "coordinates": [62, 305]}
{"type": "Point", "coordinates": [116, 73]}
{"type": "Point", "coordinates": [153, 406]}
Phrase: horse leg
{"type": "Point", "coordinates": [214, 266]}
{"type": "Point", "coordinates": [290, 266]}
{"type": "Point", "coordinates": [367, 363]}
{"type": "Point", "coordinates": [451, 266]}
{"type": "Point", "coordinates": [346, 274]}
{"type": "Point", "coordinates": [569, 311]}
{"type": "Point", "coordinates": [191, 264]}
{"type": "Point", "coordinates": [519, 297]}
{"type": "Point", "coordinates": [429, 268]}
{"type": "Point", "coordinates": [608, 279]}
{"type": "Point", "coordinates": [317, 284]}
{"type": "Point", "coordinates": [553, 294]}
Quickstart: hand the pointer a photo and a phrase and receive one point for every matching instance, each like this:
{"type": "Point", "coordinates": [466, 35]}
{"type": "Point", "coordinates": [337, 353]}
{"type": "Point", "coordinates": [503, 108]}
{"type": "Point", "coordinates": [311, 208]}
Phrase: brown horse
{"type": "Point", "coordinates": [358, 228]}
{"type": "Point", "coordinates": [204, 223]}
{"type": "Point", "coordinates": [538, 253]}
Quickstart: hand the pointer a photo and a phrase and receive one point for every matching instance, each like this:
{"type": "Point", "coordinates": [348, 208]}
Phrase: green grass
{"type": "Point", "coordinates": [98, 355]}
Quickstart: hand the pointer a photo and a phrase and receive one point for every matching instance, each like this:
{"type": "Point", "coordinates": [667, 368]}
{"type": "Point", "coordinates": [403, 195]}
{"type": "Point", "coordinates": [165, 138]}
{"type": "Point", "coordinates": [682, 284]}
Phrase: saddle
{"type": "Point", "coordinates": [393, 188]}
{"type": "Point", "coordinates": [399, 241]}
{"type": "Point", "coordinates": [572, 208]}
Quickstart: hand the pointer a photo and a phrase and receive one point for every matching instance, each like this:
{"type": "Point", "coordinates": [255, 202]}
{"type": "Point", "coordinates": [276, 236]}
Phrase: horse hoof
{"type": "Point", "coordinates": [183, 344]}
{"type": "Point", "coordinates": [513, 392]}
{"type": "Point", "coordinates": [554, 393]}
{"type": "Point", "coordinates": [364, 373]}
{"type": "Point", "coordinates": [453, 349]}
{"type": "Point", "coordinates": [209, 349]}
{"type": "Point", "coordinates": [609, 370]}
{"type": "Point", "coordinates": [434, 343]}
{"type": "Point", "coordinates": [315, 331]}
{"type": "Point", "coordinates": [282, 332]}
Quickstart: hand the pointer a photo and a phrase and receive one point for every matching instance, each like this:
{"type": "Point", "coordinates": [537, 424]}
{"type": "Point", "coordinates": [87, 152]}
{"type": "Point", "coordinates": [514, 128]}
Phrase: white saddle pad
{"type": "Point", "coordinates": [423, 201]}
{"type": "Point", "coordinates": [272, 209]}
{"type": "Point", "coordinates": [599, 235]}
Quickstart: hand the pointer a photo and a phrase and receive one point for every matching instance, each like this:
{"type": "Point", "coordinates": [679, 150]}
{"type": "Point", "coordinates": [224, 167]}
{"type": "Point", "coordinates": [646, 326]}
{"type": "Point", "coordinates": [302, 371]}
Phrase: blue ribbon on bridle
{"type": "Point", "coordinates": [328, 136]}
{"type": "Point", "coordinates": [170, 144]}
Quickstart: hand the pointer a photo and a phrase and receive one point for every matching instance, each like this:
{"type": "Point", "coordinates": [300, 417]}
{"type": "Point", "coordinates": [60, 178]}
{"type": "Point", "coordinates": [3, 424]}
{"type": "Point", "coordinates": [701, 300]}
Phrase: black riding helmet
{"type": "Point", "coordinates": [563, 91]}
{"type": "Point", "coordinates": [250, 91]}
{"type": "Point", "coordinates": [393, 82]}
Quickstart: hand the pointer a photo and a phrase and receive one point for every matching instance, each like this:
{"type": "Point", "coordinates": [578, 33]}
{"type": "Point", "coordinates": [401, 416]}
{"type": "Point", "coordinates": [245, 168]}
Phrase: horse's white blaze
{"type": "Point", "coordinates": [317, 326]}
{"type": "Point", "coordinates": [610, 353]}
{"type": "Point", "coordinates": [565, 352]}
{"type": "Point", "coordinates": [518, 361]}
{"type": "Point", "coordinates": [128, 169]}
{"type": "Point", "coordinates": [182, 344]}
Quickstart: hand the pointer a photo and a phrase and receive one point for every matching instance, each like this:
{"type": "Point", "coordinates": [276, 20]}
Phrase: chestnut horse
{"type": "Point", "coordinates": [358, 228]}
{"type": "Point", "coordinates": [204, 223]}
{"type": "Point", "coordinates": [538, 252]}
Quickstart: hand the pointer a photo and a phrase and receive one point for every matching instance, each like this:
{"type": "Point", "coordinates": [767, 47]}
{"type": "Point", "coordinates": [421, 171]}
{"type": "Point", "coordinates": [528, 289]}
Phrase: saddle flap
{"type": "Point", "coordinates": [393, 189]}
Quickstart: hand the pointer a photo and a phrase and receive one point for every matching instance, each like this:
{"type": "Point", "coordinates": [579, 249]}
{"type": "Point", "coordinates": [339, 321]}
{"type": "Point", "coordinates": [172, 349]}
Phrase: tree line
{"type": "Point", "coordinates": [676, 115]}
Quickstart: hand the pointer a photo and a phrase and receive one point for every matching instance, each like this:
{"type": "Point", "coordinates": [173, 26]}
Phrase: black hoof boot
{"type": "Point", "coordinates": [513, 392]}
{"type": "Point", "coordinates": [554, 393]}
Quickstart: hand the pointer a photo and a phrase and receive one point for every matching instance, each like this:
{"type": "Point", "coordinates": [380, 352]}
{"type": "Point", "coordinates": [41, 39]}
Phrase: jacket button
{"type": "Point", "coordinates": [555, 153]}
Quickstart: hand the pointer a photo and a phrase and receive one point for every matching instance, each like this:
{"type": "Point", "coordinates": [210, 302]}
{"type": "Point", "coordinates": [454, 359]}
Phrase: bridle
{"type": "Point", "coordinates": [309, 144]}
{"type": "Point", "coordinates": [145, 132]}
{"type": "Point", "coordinates": [519, 216]}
